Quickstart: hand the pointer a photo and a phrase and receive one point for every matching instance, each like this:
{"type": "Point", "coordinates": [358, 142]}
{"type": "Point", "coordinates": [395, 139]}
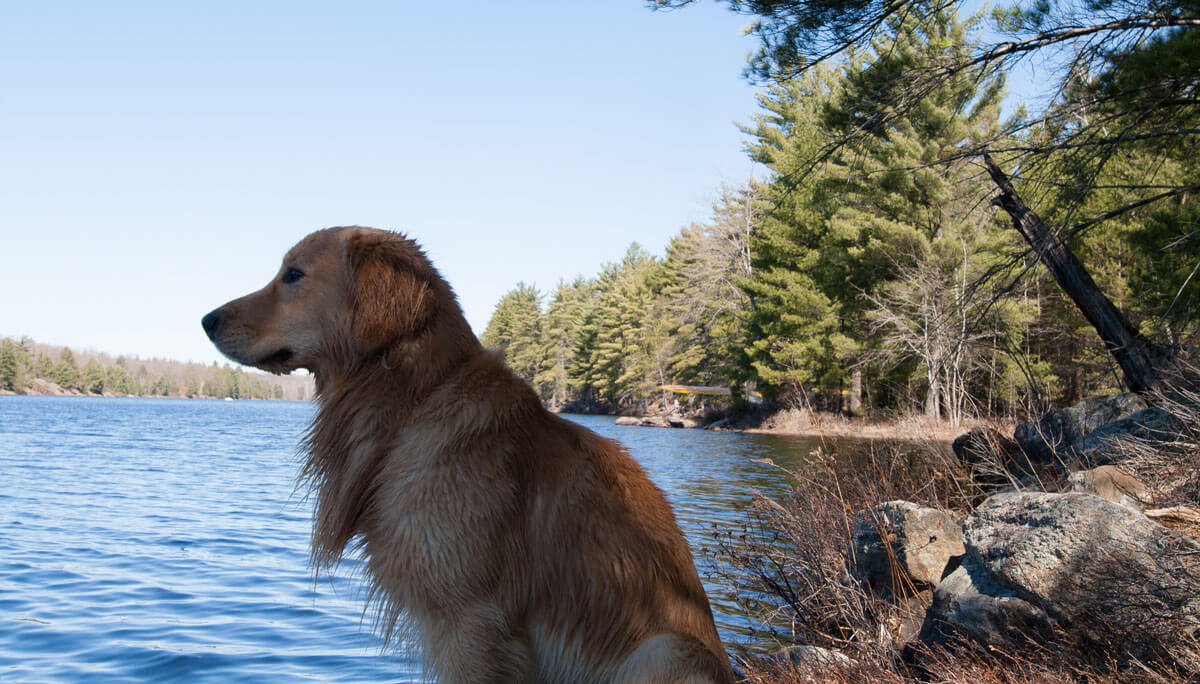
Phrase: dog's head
{"type": "Point", "coordinates": [341, 293]}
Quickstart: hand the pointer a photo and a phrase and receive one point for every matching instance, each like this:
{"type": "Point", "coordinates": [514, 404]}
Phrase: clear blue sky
{"type": "Point", "coordinates": [158, 158]}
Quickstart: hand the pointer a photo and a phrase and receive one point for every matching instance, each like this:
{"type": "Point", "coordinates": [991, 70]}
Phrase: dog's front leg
{"type": "Point", "coordinates": [479, 644]}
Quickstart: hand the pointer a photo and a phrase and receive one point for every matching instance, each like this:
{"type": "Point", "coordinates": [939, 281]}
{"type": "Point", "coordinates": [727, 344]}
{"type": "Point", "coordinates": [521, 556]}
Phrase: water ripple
{"type": "Point", "coordinates": [163, 540]}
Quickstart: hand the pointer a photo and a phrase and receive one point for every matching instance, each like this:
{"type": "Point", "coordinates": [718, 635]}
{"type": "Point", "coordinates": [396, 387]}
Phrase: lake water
{"type": "Point", "coordinates": [164, 540]}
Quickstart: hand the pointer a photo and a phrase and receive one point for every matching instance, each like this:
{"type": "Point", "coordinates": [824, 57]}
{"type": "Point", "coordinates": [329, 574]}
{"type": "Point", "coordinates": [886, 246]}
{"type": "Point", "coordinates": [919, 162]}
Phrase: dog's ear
{"type": "Point", "coordinates": [391, 298]}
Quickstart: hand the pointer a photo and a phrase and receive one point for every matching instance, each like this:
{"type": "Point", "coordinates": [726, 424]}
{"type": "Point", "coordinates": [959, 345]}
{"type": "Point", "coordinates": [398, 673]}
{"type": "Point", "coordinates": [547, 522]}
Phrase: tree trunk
{"type": "Point", "coordinates": [1132, 352]}
{"type": "Point", "coordinates": [933, 396]}
{"type": "Point", "coordinates": [855, 407]}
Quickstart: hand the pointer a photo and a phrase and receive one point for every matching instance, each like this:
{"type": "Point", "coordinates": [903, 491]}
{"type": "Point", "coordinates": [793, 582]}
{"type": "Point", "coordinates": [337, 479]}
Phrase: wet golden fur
{"type": "Point", "coordinates": [516, 545]}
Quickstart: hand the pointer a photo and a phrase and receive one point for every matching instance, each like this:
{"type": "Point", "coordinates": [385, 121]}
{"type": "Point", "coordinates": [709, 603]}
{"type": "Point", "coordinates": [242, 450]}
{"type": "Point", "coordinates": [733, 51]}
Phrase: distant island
{"type": "Point", "coordinates": [27, 367]}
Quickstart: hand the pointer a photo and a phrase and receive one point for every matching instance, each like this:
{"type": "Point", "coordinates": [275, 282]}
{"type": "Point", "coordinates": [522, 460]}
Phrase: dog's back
{"type": "Point", "coordinates": [582, 551]}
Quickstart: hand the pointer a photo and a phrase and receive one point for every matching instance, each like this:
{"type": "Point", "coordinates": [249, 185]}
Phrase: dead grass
{"type": "Point", "coordinates": [790, 571]}
{"type": "Point", "coordinates": [805, 423]}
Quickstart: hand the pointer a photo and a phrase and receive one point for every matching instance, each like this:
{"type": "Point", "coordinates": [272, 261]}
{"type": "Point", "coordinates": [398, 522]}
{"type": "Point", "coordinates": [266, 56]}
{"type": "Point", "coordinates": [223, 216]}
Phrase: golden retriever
{"type": "Point", "coordinates": [516, 546]}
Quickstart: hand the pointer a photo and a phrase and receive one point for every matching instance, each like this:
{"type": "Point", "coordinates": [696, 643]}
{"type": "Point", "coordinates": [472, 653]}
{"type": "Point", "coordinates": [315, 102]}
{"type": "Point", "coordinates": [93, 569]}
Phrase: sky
{"type": "Point", "coordinates": [158, 159]}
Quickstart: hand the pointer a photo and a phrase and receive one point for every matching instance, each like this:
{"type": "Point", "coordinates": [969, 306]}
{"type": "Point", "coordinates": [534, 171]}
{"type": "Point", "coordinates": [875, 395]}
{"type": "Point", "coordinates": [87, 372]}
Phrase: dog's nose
{"type": "Point", "coordinates": [211, 321]}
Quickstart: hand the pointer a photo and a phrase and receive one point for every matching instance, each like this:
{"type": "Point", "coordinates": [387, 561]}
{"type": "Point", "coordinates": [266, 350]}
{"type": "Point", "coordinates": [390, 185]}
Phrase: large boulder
{"type": "Point", "coordinates": [1057, 433]}
{"type": "Point", "coordinates": [995, 460]}
{"type": "Point", "coordinates": [898, 547]}
{"type": "Point", "coordinates": [970, 604]}
{"type": "Point", "coordinates": [1108, 575]}
{"type": "Point", "coordinates": [1109, 443]}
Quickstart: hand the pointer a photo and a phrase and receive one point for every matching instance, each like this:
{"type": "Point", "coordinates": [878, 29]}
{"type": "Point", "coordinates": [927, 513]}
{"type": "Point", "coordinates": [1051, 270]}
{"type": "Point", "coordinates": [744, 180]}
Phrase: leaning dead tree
{"type": "Point", "coordinates": [1139, 360]}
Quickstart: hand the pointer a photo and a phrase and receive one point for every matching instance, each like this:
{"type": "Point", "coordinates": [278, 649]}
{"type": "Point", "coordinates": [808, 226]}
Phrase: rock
{"type": "Point", "coordinates": [1152, 426]}
{"type": "Point", "coordinates": [672, 421]}
{"type": "Point", "coordinates": [983, 444]}
{"type": "Point", "coordinates": [1059, 431]}
{"type": "Point", "coordinates": [644, 421]}
{"type": "Point", "coordinates": [897, 547]}
{"type": "Point", "coordinates": [992, 457]}
{"type": "Point", "coordinates": [1110, 575]}
{"type": "Point", "coordinates": [678, 421]}
{"type": "Point", "coordinates": [717, 424]}
{"type": "Point", "coordinates": [904, 625]}
{"type": "Point", "coordinates": [41, 386]}
{"type": "Point", "coordinates": [1111, 484]}
{"type": "Point", "coordinates": [807, 656]}
{"type": "Point", "coordinates": [969, 604]}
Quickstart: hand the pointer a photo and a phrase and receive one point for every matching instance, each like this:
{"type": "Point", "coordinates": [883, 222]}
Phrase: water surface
{"type": "Point", "coordinates": [146, 540]}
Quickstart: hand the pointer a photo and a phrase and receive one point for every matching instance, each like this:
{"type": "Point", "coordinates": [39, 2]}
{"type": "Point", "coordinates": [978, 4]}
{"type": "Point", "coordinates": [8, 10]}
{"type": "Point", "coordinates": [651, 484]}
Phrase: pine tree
{"type": "Point", "coordinates": [799, 278]}
{"type": "Point", "coordinates": [918, 237]}
{"type": "Point", "coordinates": [116, 380]}
{"type": "Point", "coordinates": [562, 340]}
{"type": "Point", "coordinates": [515, 329]}
{"type": "Point", "coordinates": [8, 365]}
{"type": "Point", "coordinates": [45, 367]}
{"type": "Point", "coordinates": [627, 332]}
{"type": "Point", "coordinates": [705, 267]}
{"type": "Point", "coordinates": [92, 379]}
{"type": "Point", "coordinates": [65, 373]}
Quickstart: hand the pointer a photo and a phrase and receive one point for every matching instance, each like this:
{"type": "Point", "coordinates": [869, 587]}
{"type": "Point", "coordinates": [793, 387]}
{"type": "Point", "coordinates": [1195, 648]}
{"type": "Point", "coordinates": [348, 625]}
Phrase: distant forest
{"type": "Point", "coordinates": [27, 367]}
{"type": "Point", "coordinates": [869, 271]}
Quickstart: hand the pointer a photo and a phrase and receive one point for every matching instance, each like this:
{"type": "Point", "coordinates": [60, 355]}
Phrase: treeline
{"type": "Point", "coordinates": [868, 272]}
{"type": "Point", "coordinates": [27, 367]}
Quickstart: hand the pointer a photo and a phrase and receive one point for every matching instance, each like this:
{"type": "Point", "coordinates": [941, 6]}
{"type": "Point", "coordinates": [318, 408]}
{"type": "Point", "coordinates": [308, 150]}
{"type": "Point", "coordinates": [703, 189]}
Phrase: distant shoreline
{"type": "Point", "coordinates": [107, 395]}
{"type": "Point", "coordinates": [797, 423]}
{"type": "Point", "coordinates": [28, 367]}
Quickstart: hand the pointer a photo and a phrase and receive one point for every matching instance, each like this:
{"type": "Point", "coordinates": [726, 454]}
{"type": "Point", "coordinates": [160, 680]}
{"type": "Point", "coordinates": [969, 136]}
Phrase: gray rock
{"type": "Point", "coordinates": [807, 655]}
{"type": "Point", "coordinates": [898, 547]}
{"type": "Point", "coordinates": [969, 604]}
{"type": "Point", "coordinates": [1113, 576]}
{"type": "Point", "coordinates": [1106, 444]}
{"type": "Point", "coordinates": [993, 459]}
{"type": "Point", "coordinates": [1060, 431]}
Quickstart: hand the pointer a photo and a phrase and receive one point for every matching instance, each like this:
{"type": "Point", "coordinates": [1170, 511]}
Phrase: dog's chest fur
{"type": "Point", "coordinates": [437, 515]}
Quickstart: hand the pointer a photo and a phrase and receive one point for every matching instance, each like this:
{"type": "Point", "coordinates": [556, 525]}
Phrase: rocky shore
{"type": "Point", "coordinates": [1082, 538]}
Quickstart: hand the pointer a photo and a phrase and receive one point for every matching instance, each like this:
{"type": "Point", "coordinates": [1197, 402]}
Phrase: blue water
{"type": "Point", "coordinates": [146, 540]}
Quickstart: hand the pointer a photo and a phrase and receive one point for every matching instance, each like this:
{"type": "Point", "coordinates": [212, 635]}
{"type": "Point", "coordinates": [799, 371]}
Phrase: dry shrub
{"type": "Point", "coordinates": [789, 569]}
{"type": "Point", "coordinates": [789, 566]}
{"type": "Point", "coordinates": [1171, 469]}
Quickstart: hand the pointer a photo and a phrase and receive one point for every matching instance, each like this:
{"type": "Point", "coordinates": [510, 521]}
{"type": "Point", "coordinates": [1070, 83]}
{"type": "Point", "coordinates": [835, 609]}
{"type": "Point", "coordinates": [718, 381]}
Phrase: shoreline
{"type": "Point", "coordinates": [795, 423]}
{"type": "Point", "coordinates": [106, 395]}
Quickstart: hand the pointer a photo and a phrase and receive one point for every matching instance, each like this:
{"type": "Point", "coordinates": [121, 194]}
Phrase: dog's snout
{"type": "Point", "coordinates": [211, 321]}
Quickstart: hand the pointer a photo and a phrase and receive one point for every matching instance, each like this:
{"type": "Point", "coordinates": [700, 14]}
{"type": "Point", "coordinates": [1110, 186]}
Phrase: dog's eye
{"type": "Point", "coordinates": [292, 275]}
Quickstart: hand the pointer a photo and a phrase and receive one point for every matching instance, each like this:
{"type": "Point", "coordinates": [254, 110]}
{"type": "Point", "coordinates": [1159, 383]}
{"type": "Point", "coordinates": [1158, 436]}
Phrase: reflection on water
{"type": "Point", "coordinates": [163, 540]}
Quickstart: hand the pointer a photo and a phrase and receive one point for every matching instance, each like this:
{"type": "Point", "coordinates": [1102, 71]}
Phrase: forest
{"type": "Point", "coordinates": [871, 271]}
{"type": "Point", "coordinates": [27, 367]}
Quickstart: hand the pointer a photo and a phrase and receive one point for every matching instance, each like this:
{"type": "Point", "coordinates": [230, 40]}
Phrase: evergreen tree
{"type": "Point", "coordinates": [515, 329]}
{"type": "Point", "coordinates": [706, 266]}
{"type": "Point", "coordinates": [562, 343]}
{"type": "Point", "coordinates": [116, 380]}
{"type": "Point", "coordinates": [919, 241]}
{"type": "Point", "coordinates": [45, 367]}
{"type": "Point", "coordinates": [92, 379]}
{"type": "Point", "coordinates": [627, 332]}
{"type": "Point", "coordinates": [8, 365]}
{"type": "Point", "coordinates": [66, 373]}
{"type": "Point", "coordinates": [800, 270]}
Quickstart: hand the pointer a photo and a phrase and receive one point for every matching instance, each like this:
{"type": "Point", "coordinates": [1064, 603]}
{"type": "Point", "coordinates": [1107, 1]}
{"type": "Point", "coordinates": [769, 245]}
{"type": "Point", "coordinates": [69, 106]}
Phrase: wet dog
{"type": "Point", "coordinates": [514, 545]}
